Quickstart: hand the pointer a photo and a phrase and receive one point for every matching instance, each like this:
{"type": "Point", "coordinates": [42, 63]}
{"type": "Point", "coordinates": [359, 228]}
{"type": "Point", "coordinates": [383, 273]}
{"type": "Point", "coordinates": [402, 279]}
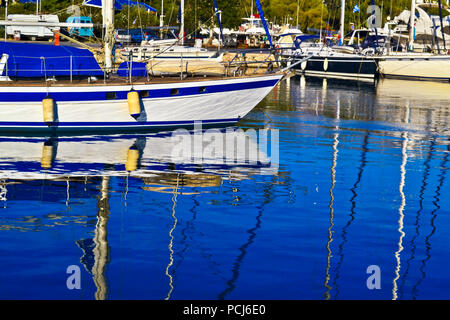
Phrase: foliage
{"type": "Point", "coordinates": [311, 13]}
{"type": "Point", "coordinates": [134, 17]}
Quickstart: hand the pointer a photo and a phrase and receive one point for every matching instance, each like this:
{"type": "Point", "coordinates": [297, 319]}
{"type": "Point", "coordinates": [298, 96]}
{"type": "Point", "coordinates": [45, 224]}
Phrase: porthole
{"type": "Point", "coordinates": [174, 92]}
{"type": "Point", "coordinates": [111, 96]}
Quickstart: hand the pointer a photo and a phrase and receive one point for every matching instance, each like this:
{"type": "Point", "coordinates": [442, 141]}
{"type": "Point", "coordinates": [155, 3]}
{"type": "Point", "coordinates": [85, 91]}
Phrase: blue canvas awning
{"type": "Point", "coordinates": [304, 37]}
{"type": "Point", "coordinates": [118, 4]}
{"type": "Point", "coordinates": [31, 60]}
{"type": "Point", "coordinates": [138, 69]}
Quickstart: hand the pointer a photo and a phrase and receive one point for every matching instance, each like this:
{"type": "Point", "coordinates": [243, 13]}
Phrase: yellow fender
{"type": "Point", "coordinates": [132, 160]}
{"type": "Point", "coordinates": [134, 104]}
{"type": "Point", "coordinates": [47, 157]}
{"type": "Point", "coordinates": [48, 108]}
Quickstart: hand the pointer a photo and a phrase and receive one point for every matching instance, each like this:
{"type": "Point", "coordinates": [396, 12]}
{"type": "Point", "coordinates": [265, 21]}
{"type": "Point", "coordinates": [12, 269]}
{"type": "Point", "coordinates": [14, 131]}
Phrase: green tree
{"type": "Point", "coordinates": [311, 13]}
{"type": "Point", "coordinates": [135, 17]}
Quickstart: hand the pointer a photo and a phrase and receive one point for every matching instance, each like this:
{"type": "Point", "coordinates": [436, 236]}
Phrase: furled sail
{"type": "Point", "coordinates": [218, 19]}
{"type": "Point", "coordinates": [266, 27]}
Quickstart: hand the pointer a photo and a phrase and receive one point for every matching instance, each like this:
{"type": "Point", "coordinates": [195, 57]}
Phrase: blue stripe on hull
{"type": "Point", "coordinates": [62, 167]}
{"type": "Point", "coordinates": [122, 95]}
{"type": "Point", "coordinates": [107, 127]}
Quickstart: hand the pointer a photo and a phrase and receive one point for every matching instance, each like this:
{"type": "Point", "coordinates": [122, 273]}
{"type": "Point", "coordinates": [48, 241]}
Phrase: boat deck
{"type": "Point", "coordinates": [119, 81]}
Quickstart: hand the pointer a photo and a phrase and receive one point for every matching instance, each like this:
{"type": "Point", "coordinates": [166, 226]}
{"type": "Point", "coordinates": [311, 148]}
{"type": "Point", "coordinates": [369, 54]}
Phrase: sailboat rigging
{"type": "Point", "coordinates": [50, 103]}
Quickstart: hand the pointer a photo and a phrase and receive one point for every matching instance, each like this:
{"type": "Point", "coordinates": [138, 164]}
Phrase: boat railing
{"type": "Point", "coordinates": [48, 69]}
{"type": "Point", "coordinates": [271, 60]}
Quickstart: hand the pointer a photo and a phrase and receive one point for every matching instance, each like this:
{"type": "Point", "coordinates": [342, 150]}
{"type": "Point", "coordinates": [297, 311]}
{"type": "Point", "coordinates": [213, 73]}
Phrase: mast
{"type": "Point", "coordinates": [264, 22]}
{"type": "Point", "coordinates": [375, 43]}
{"type": "Point", "coordinates": [251, 14]}
{"type": "Point", "coordinates": [108, 24]}
{"type": "Point", "coordinates": [341, 31]}
{"type": "Point", "coordinates": [219, 22]}
{"type": "Point", "coordinates": [6, 19]}
{"type": "Point", "coordinates": [321, 19]}
{"type": "Point", "coordinates": [411, 23]}
{"type": "Point", "coordinates": [161, 18]}
{"type": "Point", "coordinates": [442, 26]}
{"type": "Point", "coordinates": [182, 22]}
{"type": "Point", "coordinates": [101, 249]}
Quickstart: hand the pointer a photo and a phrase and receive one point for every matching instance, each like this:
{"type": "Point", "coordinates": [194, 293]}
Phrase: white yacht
{"type": "Point", "coordinates": [166, 49]}
{"type": "Point", "coordinates": [433, 65]}
{"type": "Point", "coordinates": [51, 90]}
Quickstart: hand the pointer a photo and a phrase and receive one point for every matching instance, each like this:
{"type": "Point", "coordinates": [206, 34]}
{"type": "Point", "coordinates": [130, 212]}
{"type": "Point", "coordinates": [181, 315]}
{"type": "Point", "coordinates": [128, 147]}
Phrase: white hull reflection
{"type": "Point", "coordinates": [214, 152]}
{"type": "Point", "coordinates": [414, 90]}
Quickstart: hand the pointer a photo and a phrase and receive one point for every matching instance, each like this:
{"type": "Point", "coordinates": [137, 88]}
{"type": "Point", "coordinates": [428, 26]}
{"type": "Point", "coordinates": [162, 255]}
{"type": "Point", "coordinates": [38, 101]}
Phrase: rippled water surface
{"type": "Point", "coordinates": [359, 178]}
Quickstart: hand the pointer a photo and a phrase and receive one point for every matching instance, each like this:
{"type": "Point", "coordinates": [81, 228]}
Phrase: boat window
{"type": "Point", "coordinates": [111, 96]}
{"type": "Point", "coordinates": [144, 94]}
{"type": "Point", "coordinates": [174, 92]}
{"type": "Point", "coordinates": [202, 90]}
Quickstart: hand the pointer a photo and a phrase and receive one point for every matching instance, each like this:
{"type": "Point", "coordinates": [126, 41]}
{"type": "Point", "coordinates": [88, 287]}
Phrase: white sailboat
{"type": "Point", "coordinates": [168, 49]}
{"type": "Point", "coordinates": [331, 62]}
{"type": "Point", "coordinates": [76, 100]}
{"type": "Point", "coordinates": [413, 65]}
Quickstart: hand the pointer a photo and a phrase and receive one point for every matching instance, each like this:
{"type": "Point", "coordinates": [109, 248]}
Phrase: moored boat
{"type": "Point", "coordinates": [114, 105]}
{"type": "Point", "coordinates": [330, 64]}
{"type": "Point", "coordinates": [418, 66]}
{"type": "Point", "coordinates": [63, 89]}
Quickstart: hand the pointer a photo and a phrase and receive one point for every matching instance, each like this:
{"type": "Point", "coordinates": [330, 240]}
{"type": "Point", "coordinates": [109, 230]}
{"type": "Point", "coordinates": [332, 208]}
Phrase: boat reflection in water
{"type": "Point", "coordinates": [390, 101]}
{"type": "Point", "coordinates": [362, 181]}
{"type": "Point", "coordinates": [394, 126]}
{"type": "Point", "coordinates": [164, 162]}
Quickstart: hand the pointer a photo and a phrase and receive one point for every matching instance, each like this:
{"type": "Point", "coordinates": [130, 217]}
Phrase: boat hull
{"type": "Point", "coordinates": [339, 67]}
{"type": "Point", "coordinates": [104, 108]}
{"type": "Point", "coordinates": [418, 67]}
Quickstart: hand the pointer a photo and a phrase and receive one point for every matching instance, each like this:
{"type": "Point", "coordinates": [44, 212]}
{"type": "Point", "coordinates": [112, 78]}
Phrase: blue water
{"type": "Point", "coordinates": [361, 180]}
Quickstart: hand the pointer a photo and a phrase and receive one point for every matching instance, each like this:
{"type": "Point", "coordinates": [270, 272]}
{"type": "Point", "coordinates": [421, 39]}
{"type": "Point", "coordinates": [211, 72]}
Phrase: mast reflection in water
{"type": "Point", "coordinates": [361, 180]}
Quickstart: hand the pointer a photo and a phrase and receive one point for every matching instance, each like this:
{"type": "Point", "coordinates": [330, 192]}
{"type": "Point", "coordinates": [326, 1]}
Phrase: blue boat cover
{"type": "Point", "coordinates": [138, 69]}
{"type": "Point", "coordinates": [30, 60]}
{"type": "Point", "coordinates": [118, 4]}
{"type": "Point", "coordinates": [304, 37]}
